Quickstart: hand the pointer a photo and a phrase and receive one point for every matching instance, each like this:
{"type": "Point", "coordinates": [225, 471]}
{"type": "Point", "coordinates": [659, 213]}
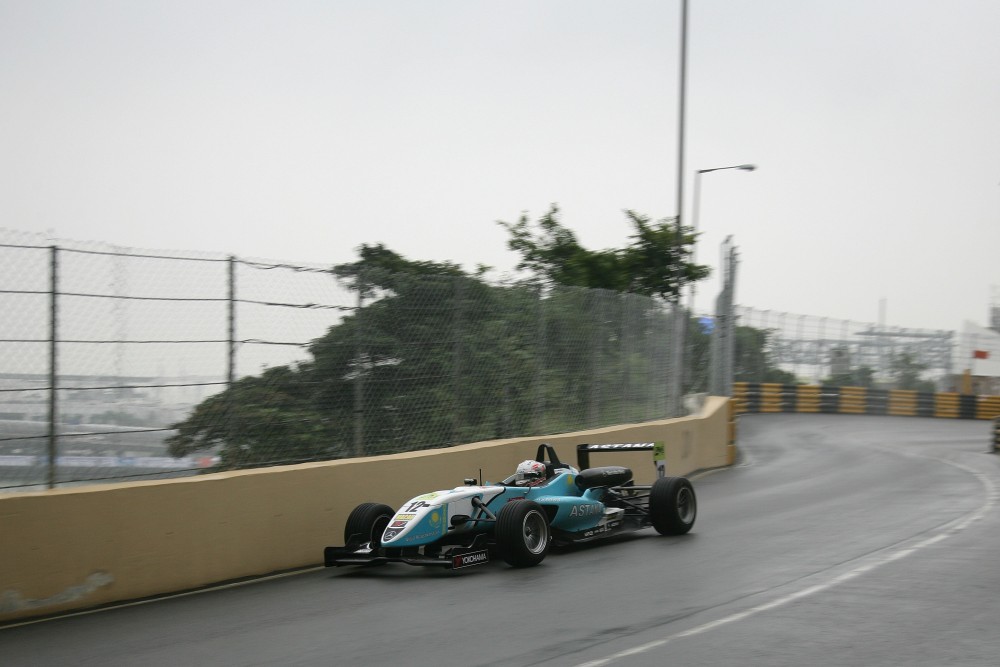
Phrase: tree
{"type": "Point", "coordinates": [863, 376]}
{"type": "Point", "coordinates": [258, 421]}
{"type": "Point", "coordinates": [380, 267]}
{"type": "Point", "coordinates": [655, 264]}
{"type": "Point", "coordinates": [753, 358]}
{"type": "Point", "coordinates": [434, 356]}
{"type": "Point", "coordinates": [906, 371]}
{"type": "Point", "coordinates": [657, 261]}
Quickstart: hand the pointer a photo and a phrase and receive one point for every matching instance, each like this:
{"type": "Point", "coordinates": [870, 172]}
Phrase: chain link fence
{"type": "Point", "coordinates": [819, 350]}
{"type": "Point", "coordinates": [124, 364]}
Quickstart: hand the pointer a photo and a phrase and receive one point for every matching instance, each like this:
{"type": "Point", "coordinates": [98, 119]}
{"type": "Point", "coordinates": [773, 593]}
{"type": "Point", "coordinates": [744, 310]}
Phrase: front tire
{"type": "Point", "coordinates": [369, 521]}
{"type": "Point", "coordinates": [522, 533]}
{"type": "Point", "coordinates": [673, 506]}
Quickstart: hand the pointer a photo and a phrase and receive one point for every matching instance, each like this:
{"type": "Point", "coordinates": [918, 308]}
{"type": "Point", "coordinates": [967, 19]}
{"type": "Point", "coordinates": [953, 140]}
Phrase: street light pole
{"type": "Point", "coordinates": [694, 213]}
{"type": "Point", "coordinates": [676, 383]}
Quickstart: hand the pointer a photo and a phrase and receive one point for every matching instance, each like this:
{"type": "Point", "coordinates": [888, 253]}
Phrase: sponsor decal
{"type": "Point", "coordinates": [467, 560]}
{"type": "Point", "coordinates": [422, 536]}
{"type": "Point", "coordinates": [405, 517]}
{"type": "Point", "coordinates": [429, 496]}
{"type": "Point", "coordinates": [606, 528]}
{"type": "Point", "coordinates": [585, 510]}
{"type": "Point", "coordinates": [398, 524]}
{"type": "Point", "coordinates": [659, 451]}
{"type": "Point", "coordinates": [623, 445]}
{"type": "Point", "coordinates": [415, 505]}
{"type": "Point", "coordinates": [389, 535]}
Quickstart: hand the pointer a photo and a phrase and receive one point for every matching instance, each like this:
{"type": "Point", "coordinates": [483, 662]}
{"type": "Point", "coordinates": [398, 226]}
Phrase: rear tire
{"type": "Point", "coordinates": [522, 533]}
{"type": "Point", "coordinates": [369, 520]}
{"type": "Point", "coordinates": [673, 506]}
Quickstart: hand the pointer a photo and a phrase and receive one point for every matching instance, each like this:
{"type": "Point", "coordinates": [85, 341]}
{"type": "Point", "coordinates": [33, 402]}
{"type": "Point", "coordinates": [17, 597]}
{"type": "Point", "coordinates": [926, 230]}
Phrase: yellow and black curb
{"type": "Point", "coordinates": [758, 397]}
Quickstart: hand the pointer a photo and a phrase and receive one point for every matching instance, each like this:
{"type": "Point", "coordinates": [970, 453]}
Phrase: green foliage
{"type": "Point", "coordinates": [779, 376]}
{"type": "Point", "coordinates": [655, 264]}
{"type": "Point", "coordinates": [906, 371]}
{"type": "Point", "coordinates": [698, 360]}
{"type": "Point", "coordinates": [862, 376]}
{"type": "Point", "coordinates": [435, 357]}
{"type": "Point", "coordinates": [380, 267]}
{"type": "Point", "coordinates": [245, 422]}
{"type": "Point", "coordinates": [754, 360]}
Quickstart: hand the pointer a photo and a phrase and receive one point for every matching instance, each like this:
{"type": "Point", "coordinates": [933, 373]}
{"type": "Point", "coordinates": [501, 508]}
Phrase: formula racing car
{"type": "Point", "coordinates": [544, 502]}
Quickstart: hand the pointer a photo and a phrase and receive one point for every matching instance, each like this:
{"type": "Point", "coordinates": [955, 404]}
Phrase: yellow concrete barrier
{"type": "Point", "coordinates": [902, 403]}
{"type": "Point", "coordinates": [946, 405]}
{"type": "Point", "coordinates": [808, 398]}
{"type": "Point", "coordinates": [988, 407]}
{"type": "Point", "coordinates": [82, 547]}
{"type": "Point", "coordinates": [854, 400]}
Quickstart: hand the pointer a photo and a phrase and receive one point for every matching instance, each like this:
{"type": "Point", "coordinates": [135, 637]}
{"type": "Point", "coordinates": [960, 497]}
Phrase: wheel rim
{"type": "Point", "coordinates": [535, 532]}
{"type": "Point", "coordinates": [685, 505]}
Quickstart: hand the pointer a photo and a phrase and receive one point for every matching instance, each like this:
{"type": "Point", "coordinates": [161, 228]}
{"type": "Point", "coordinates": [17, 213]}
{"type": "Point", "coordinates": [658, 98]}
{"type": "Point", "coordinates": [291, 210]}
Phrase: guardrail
{"type": "Point", "coordinates": [754, 397]}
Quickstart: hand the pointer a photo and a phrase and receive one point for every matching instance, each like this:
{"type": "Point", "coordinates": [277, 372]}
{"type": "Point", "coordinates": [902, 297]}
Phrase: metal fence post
{"type": "Point", "coordinates": [676, 359]}
{"type": "Point", "coordinates": [53, 364]}
{"type": "Point", "coordinates": [723, 342]}
{"type": "Point", "coordinates": [730, 351]}
{"type": "Point", "coordinates": [540, 349]}
{"type": "Point", "coordinates": [593, 409]}
{"type": "Point", "coordinates": [231, 352]}
{"type": "Point", "coordinates": [359, 371]}
{"type": "Point", "coordinates": [456, 360]}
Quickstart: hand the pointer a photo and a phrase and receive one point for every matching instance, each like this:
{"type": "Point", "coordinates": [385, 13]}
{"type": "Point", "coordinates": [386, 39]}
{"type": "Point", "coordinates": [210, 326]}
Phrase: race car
{"type": "Point", "coordinates": [544, 502]}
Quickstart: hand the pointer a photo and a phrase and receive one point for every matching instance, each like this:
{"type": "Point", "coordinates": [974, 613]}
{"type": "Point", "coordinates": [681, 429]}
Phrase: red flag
{"type": "Point", "coordinates": [980, 354]}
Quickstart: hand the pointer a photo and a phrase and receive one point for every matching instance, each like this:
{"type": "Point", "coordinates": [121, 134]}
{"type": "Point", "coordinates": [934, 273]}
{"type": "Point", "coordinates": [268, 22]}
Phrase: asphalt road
{"type": "Point", "coordinates": [837, 540]}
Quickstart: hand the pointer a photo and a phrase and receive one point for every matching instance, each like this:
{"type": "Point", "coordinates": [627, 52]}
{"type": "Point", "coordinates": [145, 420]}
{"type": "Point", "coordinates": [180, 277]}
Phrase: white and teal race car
{"type": "Point", "coordinates": [517, 519]}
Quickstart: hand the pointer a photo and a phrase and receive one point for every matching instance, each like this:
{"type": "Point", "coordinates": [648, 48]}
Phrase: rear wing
{"type": "Point", "coordinates": [584, 451]}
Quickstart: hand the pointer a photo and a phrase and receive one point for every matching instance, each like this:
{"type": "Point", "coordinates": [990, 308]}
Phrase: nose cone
{"type": "Point", "coordinates": [422, 526]}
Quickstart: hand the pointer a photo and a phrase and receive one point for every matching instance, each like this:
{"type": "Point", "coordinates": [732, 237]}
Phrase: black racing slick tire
{"type": "Point", "coordinates": [673, 506]}
{"type": "Point", "coordinates": [522, 533]}
{"type": "Point", "coordinates": [369, 521]}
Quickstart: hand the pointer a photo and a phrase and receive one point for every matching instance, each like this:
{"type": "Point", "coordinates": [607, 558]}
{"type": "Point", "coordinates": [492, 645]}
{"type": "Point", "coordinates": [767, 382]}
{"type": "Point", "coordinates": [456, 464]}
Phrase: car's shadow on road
{"type": "Point", "coordinates": [556, 552]}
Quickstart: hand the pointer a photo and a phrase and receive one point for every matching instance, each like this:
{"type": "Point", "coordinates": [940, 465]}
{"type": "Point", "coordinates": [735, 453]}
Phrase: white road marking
{"type": "Point", "coordinates": [867, 564]}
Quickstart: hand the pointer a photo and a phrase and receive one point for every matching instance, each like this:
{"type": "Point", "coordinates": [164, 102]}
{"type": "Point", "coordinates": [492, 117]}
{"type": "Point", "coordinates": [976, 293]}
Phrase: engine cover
{"type": "Point", "coordinates": [603, 476]}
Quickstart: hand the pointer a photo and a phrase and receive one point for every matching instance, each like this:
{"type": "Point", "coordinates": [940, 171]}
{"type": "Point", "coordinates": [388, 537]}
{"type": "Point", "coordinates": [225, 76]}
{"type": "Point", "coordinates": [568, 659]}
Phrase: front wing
{"type": "Point", "coordinates": [451, 557]}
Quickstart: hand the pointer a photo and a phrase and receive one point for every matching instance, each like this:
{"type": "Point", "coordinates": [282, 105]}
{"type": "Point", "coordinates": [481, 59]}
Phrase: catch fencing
{"type": "Point", "coordinates": [124, 364]}
{"type": "Point", "coordinates": [814, 348]}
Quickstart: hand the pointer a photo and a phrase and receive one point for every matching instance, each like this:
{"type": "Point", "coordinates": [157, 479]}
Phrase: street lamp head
{"type": "Point", "coordinates": [742, 167]}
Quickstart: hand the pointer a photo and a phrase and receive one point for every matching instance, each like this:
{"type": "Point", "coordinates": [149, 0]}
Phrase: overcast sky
{"type": "Point", "coordinates": [300, 130]}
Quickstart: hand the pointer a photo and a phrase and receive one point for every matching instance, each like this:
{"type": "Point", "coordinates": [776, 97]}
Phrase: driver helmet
{"type": "Point", "coordinates": [529, 473]}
